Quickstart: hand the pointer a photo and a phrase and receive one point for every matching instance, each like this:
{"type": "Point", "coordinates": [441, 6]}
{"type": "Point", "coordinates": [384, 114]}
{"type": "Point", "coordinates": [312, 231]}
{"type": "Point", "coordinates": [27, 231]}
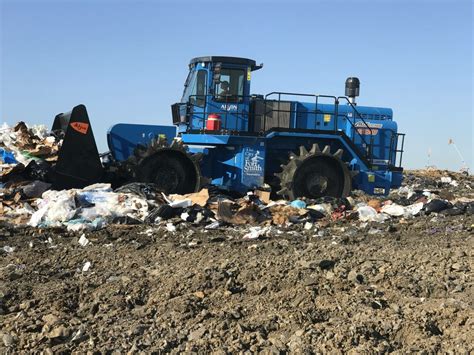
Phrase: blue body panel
{"type": "Point", "coordinates": [123, 138]}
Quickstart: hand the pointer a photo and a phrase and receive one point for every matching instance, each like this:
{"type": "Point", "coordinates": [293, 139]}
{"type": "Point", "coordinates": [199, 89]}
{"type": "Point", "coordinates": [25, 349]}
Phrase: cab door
{"type": "Point", "coordinates": [197, 99]}
{"type": "Point", "coordinates": [230, 97]}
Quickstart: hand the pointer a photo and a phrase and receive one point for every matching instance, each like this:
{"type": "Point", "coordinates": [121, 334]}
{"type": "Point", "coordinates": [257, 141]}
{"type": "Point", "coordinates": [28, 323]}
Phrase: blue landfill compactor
{"type": "Point", "coordinates": [299, 145]}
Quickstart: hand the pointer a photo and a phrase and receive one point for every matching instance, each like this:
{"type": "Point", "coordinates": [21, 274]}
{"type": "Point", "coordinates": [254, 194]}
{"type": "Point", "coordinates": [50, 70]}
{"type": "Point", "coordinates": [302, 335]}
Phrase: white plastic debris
{"type": "Point", "coordinates": [406, 190]}
{"type": "Point", "coordinates": [446, 180]}
{"type": "Point", "coordinates": [366, 213]}
{"type": "Point", "coordinates": [413, 210]}
{"type": "Point", "coordinates": [255, 232]}
{"type": "Point", "coordinates": [148, 232]}
{"type": "Point", "coordinates": [41, 132]}
{"type": "Point", "coordinates": [325, 208]}
{"type": "Point", "coordinates": [369, 214]}
{"type": "Point", "coordinates": [54, 207]}
{"type": "Point", "coordinates": [428, 194]}
{"type": "Point", "coordinates": [78, 334]}
{"type": "Point", "coordinates": [380, 217]}
{"type": "Point", "coordinates": [78, 225]}
{"type": "Point", "coordinates": [449, 180]}
{"type": "Point", "coordinates": [199, 217]}
{"type": "Point", "coordinates": [374, 231]}
{"type": "Point", "coordinates": [87, 209]}
{"type": "Point", "coordinates": [87, 266]}
{"type": "Point", "coordinates": [393, 210]}
{"type": "Point", "coordinates": [308, 225]}
{"type": "Point", "coordinates": [8, 249]}
{"type": "Point", "coordinates": [170, 227]}
{"type": "Point", "coordinates": [213, 225]}
{"type": "Point", "coordinates": [274, 203]}
{"type": "Point", "coordinates": [83, 241]}
{"type": "Point", "coordinates": [181, 203]}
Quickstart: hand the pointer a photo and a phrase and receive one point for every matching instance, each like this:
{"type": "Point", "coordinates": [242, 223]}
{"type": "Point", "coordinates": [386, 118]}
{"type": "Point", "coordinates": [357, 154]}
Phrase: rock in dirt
{"type": "Point", "coordinates": [326, 264]}
{"type": "Point", "coordinates": [354, 276]}
{"type": "Point", "coordinates": [8, 340]}
{"type": "Point", "coordinates": [59, 332]}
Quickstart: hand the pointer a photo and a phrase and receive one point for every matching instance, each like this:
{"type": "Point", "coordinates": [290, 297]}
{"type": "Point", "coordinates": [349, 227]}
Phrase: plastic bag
{"type": "Point", "coordinates": [393, 210]}
{"type": "Point", "coordinates": [7, 157]}
{"type": "Point", "coordinates": [366, 213]}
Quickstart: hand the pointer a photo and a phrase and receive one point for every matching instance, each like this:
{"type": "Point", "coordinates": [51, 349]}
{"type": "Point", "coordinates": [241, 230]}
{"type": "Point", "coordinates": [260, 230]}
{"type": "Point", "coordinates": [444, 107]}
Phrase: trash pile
{"type": "Point", "coordinates": [25, 199]}
{"type": "Point", "coordinates": [98, 205]}
{"type": "Point", "coordinates": [26, 153]}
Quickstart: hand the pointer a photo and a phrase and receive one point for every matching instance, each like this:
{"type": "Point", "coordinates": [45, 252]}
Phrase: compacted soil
{"type": "Point", "coordinates": [347, 287]}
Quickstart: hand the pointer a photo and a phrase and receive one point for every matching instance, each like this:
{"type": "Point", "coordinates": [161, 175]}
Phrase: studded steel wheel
{"type": "Point", "coordinates": [315, 174]}
{"type": "Point", "coordinates": [171, 167]}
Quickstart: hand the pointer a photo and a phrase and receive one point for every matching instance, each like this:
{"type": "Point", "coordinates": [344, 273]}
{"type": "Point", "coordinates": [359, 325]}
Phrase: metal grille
{"type": "Point", "coordinates": [270, 114]}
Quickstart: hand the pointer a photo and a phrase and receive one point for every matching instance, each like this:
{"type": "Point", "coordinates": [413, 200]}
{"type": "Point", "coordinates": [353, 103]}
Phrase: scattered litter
{"type": "Point", "coordinates": [89, 208]}
{"type": "Point", "coordinates": [366, 213]}
{"type": "Point", "coordinates": [449, 180]}
{"type": "Point", "coordinates": [35, 189]}
{"type": "Point", "coordinates": [374, 231]}
{"type": "Point", "coordinates": [26, 154]}
{"type": "Point", "coordinates": [263, 195]}
{"type": "Point", "coordinates": [255, 232]}
{"type": "Point", "coordinates": [23, 144]}
{"type": "Point", "coordinates": [413, 210]}
{"type": "Point", "coordinates": [199, 198]}
{"type": "Point", "coordinates": [83, 241]}
{"type": "Point", "coordinates": [393, 210]}
{"type": "Point", "coordinates": [162, 212]}
{"type": "Point", "coordinates": [238, 214]}
{"type": "Point", "coordinates": [170, 227]}
{"type": "Point", "coordinates": [324, 208]}
{"type": "Point", "coordinates": [7, 157]}
{"type": "Point", "coordinates": [86, 266]}
{"type": "Point", "coordinates": [298, 204]}
{"type": "Point", "coordinates": [436, 206]}
{"type": "Point", "coordinates": [213, 225]}
{"type": "Point", "coordinates": [8, 249]}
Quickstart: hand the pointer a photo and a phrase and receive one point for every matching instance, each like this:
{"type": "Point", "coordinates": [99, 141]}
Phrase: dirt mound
{"type": "Point", "coordinates": [346, 287]}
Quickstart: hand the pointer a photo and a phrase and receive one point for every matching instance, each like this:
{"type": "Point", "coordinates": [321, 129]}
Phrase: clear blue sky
{"type": "Point", "coordinates": [127, 60]}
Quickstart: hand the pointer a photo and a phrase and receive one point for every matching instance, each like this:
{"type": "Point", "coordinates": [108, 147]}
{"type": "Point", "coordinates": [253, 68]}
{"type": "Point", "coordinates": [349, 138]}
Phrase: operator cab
{"type": "Point", "coordinates": [216, 89]}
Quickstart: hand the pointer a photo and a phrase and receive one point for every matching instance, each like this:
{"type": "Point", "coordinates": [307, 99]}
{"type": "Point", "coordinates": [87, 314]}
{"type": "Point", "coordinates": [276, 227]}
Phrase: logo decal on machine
{"type": "Point", "coordinates": [362, 128]}
{"type": "Point", "coordinates": [80, 127]}
{"type": "Point", "coordinates": [229, 107]}
{"type": "Point", "coordinates": [252, 162]}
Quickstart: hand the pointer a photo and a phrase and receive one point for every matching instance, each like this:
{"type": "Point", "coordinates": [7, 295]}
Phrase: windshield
{"type": "Point", "coordinates": [189, 86]}
{"type": "Point", "coordinates": [231, 85]}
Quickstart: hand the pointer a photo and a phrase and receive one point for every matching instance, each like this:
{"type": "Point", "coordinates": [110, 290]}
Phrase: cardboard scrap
{"type": "Point", "coordinates": [199, 198]}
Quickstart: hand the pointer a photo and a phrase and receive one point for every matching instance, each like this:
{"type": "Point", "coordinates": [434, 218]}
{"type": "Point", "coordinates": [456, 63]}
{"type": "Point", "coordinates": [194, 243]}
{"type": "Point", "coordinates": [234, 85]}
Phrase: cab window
{"type": "Point", "coordinates": [230, 86]}
{"type": "Point", "coordinates": [195, 88]}
{"type": "Point", "coordinates": [201, 84]}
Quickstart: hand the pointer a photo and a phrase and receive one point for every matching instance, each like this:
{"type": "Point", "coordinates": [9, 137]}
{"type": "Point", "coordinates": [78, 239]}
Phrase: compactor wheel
{"type": "Point", "coordinates": [171, 167]}
{"type": "Point", "coordinates": [315, 174]}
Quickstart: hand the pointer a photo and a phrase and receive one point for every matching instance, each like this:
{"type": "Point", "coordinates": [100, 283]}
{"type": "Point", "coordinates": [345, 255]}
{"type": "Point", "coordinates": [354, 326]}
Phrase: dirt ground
{"type": "Point", "coordinates": [348, 287]}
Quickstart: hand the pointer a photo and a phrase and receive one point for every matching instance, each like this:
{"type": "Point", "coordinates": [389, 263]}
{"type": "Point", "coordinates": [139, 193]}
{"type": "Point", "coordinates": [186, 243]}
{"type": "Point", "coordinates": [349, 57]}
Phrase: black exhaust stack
{"type": "Point", "coordinates": [352, 89]}
{"type": "Point", "coordinates": [78, 163]}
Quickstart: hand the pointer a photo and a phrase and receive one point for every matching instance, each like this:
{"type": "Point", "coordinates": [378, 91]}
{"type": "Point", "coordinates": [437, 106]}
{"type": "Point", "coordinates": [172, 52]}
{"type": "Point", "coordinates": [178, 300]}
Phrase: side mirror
{"type": "Point", "coordinates": [180, 113]}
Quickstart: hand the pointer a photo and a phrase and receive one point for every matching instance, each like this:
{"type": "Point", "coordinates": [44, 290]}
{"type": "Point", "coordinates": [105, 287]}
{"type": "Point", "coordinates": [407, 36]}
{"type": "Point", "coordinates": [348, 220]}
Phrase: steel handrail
{"type": "Point", "coordinates": [239, 98]}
